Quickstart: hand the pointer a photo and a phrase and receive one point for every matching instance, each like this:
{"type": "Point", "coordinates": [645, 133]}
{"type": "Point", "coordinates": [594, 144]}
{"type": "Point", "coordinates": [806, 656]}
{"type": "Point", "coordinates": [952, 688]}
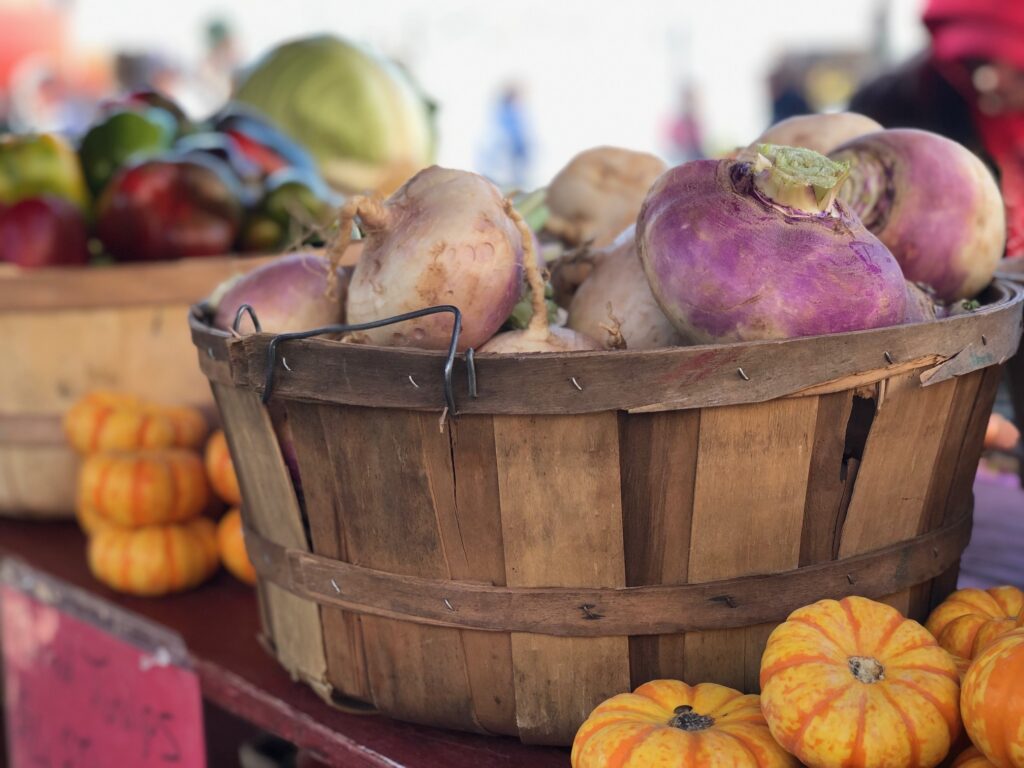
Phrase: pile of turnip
{"type": "Point", "coordinates": [825, 224]}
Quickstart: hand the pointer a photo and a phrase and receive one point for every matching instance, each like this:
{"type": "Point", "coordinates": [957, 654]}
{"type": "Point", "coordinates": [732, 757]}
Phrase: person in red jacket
{"type": "Point", "coordinates": [968, 86]}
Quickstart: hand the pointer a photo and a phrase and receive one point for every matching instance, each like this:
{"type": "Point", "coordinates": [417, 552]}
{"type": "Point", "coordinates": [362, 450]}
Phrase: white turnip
{"type": "Point", "coordinates": [445, 237]}
{"type": "Point", "coordinates": [599, 193]}
{"type": "Point", "coordinates": [616, 301]}
{"type": "Point", "coordinates": [821, 133]}
{"type": "Point", "coordinates": [538, 336]}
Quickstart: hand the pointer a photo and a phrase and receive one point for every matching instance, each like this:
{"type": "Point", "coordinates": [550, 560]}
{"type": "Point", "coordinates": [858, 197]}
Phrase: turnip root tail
{"type": "Point", "coordinates": [373, 216]}
{"type": "Point", "coordinates": [538, 327]}
{"type": "Point", "coordinates": [614, 330]}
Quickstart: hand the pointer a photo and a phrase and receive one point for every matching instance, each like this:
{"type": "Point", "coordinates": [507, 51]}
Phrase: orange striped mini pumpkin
{"type": "Point", "coordinates": [969, 619]}
{"type": "Point", "coordinates": [90, 522]}
{"type": "Point", "coordinates": [669, 724]}
{"type": "Point", "coordinates": [231, 544]}
{"type": "Point", "coordinates": [992, 701]}
{"type": "Point", "coordinates": [971, 758]}
{"type": "Point", "coordinates": [104, 421]}
{"type": "Point", "coordinates": [143, 487]}
{"type": "Point", "coordinates": [155, 560]}
{"type": "Point", "coordinates": [220, 470]}
{"type": "Point", "coordinates": [854, 684]}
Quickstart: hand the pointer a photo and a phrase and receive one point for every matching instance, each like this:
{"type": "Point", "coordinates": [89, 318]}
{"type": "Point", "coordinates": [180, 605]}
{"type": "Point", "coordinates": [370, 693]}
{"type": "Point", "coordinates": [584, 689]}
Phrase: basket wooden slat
{"type": "Point", "coordinates": [292, 624]}
{"type": "Point", "coordinates": [343, 639]}
{"type": "Point", "coordinates": [558, 479]}
{"type": "Point", "coordinates": [657, 515]}
{"type": "Point", "coordinates": [580, 517]}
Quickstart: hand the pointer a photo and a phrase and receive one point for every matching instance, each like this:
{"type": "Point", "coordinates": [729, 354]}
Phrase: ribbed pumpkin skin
{"type": "Point", "coordinates": [820, 711]}
{"type": "Point", "coordinates": [155, 560]}
{"type": "Point", "coordinates": [232, 547]}
{"type": "Point", "coordinates": [992, 701]}
{"type": "Point", "coordinates": [104, 421]}
{"type": "Point", "coordinates": [221, 470]}
{"type": "Point", "coordinates": [971, 758]}
{"type": "Point", "coordinates": [90, 522]}
{"type": "Point", "coordinates": [969, 619]}
{"type": "Point", "coordinates": [632, 730]}
{"type": "Point", "coordinates": [144, 487]}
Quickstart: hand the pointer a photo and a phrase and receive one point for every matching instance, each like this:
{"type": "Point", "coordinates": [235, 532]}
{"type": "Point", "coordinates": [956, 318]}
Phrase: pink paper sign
{"type": "Point", "coordinates": [80, 696]}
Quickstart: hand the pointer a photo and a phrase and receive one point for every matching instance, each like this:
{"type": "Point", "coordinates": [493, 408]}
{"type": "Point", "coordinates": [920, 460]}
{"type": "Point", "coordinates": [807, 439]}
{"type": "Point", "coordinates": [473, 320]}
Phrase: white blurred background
{"type": "Point", "coordinates": [589, 72]}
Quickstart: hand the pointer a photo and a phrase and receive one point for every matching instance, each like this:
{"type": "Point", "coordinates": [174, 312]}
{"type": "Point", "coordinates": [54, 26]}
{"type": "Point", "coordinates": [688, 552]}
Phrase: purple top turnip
{"type": "Point", "coordinates": [615, 304]}
{"type": "Point", "coordinates": [445, 237]}
{"type": "Point", "coordinates": [920, 304]}
{"type": "Point", "coordinates": [740, 251]}
{"type": "Point", "coordinates": [932, 202]}
{"type": "Point", "coordinates": [290, 293]}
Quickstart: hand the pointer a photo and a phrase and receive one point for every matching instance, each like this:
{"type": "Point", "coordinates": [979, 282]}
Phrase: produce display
{"type": "Point", "coordinates": [845, 684]}
{"type": "Point", "coordinates": [143, 183]}
{"type": "Point", "coordinates": [144, 495]}
{"type": "Point", "coordinates": [769, 245]}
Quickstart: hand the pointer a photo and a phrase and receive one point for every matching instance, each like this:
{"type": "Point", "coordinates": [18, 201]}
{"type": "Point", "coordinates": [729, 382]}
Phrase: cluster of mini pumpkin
{"type": "Point", "coordinates": [144, 495]}
{"type": "Point", "coordinates": [844, 684]}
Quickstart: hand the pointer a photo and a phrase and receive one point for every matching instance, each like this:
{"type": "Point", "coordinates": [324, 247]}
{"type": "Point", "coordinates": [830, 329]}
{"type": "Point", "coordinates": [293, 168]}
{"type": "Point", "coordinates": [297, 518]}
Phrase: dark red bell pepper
{"type": "Point", "coordinates": [170, 208]}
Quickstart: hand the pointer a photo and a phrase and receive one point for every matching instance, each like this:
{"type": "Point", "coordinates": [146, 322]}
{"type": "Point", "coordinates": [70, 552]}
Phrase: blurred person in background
{"type": "Point", "coordinates": [686, 139]}
{"type": "Point", "coordinates": [509, 148]}
{"type": "Point", "coordinates": [221, 59]}
{"type": "Point", "coordinates": [969, 87]}
{"type": "Point", "coordinates": [786, 88]}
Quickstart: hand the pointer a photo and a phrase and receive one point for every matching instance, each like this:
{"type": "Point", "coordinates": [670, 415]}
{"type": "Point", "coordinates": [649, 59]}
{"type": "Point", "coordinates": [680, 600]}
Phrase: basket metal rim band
{"type": "Point", "coordinates": [601, 612]}
{"type": "Point", "coordinates": [671, 378]}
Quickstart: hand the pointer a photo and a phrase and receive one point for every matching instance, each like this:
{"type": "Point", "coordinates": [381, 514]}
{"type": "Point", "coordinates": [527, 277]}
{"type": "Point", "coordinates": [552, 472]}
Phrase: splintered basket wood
{"type": "Point", "coordinates": [590, 521]}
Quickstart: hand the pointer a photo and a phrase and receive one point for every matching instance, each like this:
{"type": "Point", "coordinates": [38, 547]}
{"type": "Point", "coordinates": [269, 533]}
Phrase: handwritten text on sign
{"type": "Point", "coordinates": [79, 697]}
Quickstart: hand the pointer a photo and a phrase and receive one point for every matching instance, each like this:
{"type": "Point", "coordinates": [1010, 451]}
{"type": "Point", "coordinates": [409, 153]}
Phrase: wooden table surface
{"type": "Point", "coordinates": [219, 624]}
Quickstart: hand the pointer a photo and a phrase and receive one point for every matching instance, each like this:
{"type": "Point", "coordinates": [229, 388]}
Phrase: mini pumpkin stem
{"type": "Point", "coordinates": [866, 669]}
{"type": "Point", "coordinates": [686, 719]}
{"type": "Point", "coordinates": [372, 215]}
{"type": "Point", "coordinates": [538, 327]}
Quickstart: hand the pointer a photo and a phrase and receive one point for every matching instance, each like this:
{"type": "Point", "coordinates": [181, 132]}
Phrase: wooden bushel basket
{"type": "Point", "coordinates": [590, 521]}
{"type": "Point", "coordinates": [65, 331]}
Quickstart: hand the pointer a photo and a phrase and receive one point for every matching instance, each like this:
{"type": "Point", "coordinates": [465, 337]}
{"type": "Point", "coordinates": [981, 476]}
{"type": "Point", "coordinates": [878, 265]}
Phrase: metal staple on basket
{"type": "Point", "coordinates": [449, 362]}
